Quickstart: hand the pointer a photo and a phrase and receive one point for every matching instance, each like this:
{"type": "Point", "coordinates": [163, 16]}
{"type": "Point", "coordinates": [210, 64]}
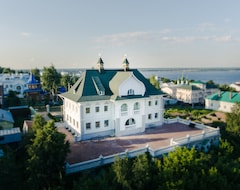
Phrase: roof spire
{"type": "Point", "coordinates": [125, 63]}
{"type": "Point", "coordinates": [100, 64]}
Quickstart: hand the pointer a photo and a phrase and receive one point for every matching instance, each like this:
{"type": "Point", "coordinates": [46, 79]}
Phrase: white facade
{"type": "Point", "coordinates": [111, 103]}
{"type": "Point", "coordinates": [115, 118]}
{"type": "Point", "coordinates": [188, 93]}
{"type": "Point", "coordinates": [219, 105]}
{"type": "Point", "coordinates": [222, 101]}
{"type": "Point", "coordinates": [236, 86]}
{"type": "Point", "coordinates": [14, 82]}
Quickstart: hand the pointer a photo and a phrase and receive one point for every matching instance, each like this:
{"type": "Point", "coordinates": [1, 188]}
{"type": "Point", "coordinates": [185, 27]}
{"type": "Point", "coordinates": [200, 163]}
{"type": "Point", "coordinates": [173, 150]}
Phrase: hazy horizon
{"type": "Point", "coordinates": [153, 34]}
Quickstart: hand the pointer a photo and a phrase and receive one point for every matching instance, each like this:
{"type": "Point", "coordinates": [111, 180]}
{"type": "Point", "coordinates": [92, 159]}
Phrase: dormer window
{"type": "Point", "coordinates": [130, 92]}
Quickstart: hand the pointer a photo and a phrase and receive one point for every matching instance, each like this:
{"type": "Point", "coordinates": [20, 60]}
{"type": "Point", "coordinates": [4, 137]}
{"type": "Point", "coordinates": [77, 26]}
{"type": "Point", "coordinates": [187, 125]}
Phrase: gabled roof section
{"type": "Point", "coordinates": [225, 96]}
{"type": "Point", "coordinates": [6, 116]}
{"type": "Point", "coordinates": [117, 80]}
{"type": "Point", "coordinates": [86, 87]}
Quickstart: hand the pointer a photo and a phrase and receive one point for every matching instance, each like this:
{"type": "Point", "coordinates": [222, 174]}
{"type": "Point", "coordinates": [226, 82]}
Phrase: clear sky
{"type": "Point", "coordinates": [152, 33]}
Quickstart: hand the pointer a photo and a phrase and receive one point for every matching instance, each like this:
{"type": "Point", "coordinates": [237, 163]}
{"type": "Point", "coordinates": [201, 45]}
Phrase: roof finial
{"type": "Point", "coordinates": [125, 63]}
{"type": "Point", "coordinates": [100, 63]}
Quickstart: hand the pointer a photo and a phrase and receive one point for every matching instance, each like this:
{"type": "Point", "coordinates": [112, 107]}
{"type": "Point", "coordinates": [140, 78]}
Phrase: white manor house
{"type": "Point", "coordinates": [112, 102]}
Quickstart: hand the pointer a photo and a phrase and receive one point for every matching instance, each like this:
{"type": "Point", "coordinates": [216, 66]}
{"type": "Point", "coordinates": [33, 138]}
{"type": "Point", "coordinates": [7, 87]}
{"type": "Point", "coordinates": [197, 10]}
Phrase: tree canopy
{"type": "Point", "coordinates": [154, 82]}
{"type": "Point", "coordinates": [50, 79]}
{"type": "Point", "coordinates": [46, 156]}
{"type": "Point", "coordinates": [233, 120]}
{"type": "Point", "coordinates": [36, 73]}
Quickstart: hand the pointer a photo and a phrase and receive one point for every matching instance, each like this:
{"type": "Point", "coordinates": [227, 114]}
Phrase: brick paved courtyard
{"type": "Point", "coordinates": [154, 137]}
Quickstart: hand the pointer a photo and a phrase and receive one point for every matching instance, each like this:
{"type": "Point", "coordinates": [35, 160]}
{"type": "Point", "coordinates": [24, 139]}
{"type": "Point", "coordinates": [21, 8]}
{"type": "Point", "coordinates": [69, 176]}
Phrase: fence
{"type": "Point", "coordinates": [208, 133]}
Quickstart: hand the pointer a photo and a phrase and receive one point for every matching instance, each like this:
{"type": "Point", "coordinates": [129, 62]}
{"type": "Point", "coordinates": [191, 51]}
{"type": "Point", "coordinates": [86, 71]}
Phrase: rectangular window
{"type": "Point", "coordinates": [88, 110]}
{"type": "Point", "coordinates": [97, 124]}
{"type": "Point", "coordinates": [105, 108]}
{"type": "Point", "coordinates": [149, 116]}
{"type": "Point", "coordinates": [156, 115]}
{"type": "Point", "coordinates": [97, 109]}
{"type": "Point", "coordinates": [106, 123]}
{"type": "Point", "coordinates": [88, 126]}
{"type": "Point", "coordinates": [149, 103]}
{"type": "Point", "coordinates": [156, 102]}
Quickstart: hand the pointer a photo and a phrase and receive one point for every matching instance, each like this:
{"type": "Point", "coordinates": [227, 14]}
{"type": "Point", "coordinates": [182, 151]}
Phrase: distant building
{"type": "Point", "coordinates": [192, 93]}
{"type": "Point", "coordinates": [111, 103]}
{"type": "Point", "coordinates": [34, 91]}
{"type": "Point", "coordinates": [236, 86]}
{"type": "Point", "coordinates": [1, 95]}
{"type": "Point", "coordinates": [222, 101]}
{"type": "Point", "coordinates": [27, 126]}
{"type": "Point", "coordinates": [14, 82]}
{"type": "Point", "coordinates": [6, 119]}
{"type": "Point", "coordinates": [8, 134]}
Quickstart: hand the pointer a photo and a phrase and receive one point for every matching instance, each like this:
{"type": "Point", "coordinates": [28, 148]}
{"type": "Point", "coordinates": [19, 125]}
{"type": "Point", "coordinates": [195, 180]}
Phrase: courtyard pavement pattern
{"type": "Point", "coordinates": [154, 137]}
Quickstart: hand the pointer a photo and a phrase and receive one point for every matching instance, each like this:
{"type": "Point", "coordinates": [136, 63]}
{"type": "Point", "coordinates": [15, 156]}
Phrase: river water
{"type": "Point", "coordinates": [218, 75]}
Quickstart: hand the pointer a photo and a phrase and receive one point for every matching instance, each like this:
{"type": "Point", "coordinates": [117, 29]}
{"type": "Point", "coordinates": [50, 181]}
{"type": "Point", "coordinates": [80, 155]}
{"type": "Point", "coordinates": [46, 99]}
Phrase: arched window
{"type": "Point", "coordinates": [136, 106]}
{"type": "Point", "coordinates": [130, 92]}
{"type": "Point", "coordinates": [18, 88]}
{"type": "Point", "coordinates": [130, 121]}
{"type": "Point", "coordinates": [124, 107]}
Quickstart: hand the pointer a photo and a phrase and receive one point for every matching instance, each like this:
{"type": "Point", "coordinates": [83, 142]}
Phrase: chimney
{"type": "Point", "coordinates": [219, 93]}
{"type": "Point", "coordinates": [230, 95]}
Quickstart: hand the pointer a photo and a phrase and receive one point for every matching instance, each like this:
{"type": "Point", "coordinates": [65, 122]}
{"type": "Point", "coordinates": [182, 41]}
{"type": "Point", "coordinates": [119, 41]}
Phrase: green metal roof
{"type": "Point", "coordinates": [225, 96]}
{"type": "Point", "coordinates": [198, 82]}
{"type": "Point", "coordinates": [85, 89]}
{"type": "Point", "coordinates": [189, 87]}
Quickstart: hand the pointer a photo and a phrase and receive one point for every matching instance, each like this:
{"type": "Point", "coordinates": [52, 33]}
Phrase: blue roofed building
{"type": "Point", "coordinates": [8, 134]}
{"type": "Point", "coordinates": [34, 91]}
{"type": "Point", "coordinates": [111, 102]}
{"type": "Point", "coordinates": [6, 119]}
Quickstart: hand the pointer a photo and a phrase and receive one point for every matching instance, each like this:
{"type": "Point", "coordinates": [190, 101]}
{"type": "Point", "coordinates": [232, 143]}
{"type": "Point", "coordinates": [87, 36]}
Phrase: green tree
{"type": "Point", "coordinates": [36, 73]}
{"type": "Point", "coordinates": [67, 80]}
{"type": "Point", "coordinates": [154, 82]}
{"type": "Point", "coordinates": [233, 120]}
{"type": "Point", "coordinates": [50, 79]}
{"type": "Point", "coordinates": [165, 80]}
{"type": "Point", "coordinates": [225, 87]}
{"type": "Point", "coordinates": [7, 70]}
{"type": "Point", "coordinates": [133, 174]}
{"type": "Point", "coordinates": [12, 99]}
{"type": "Point", "coordinates": [46, 158]}
{"type": "Point", "coordinates": [141, 170]}
{"type": "Point", "coordinates": [210, 82]}
{"type": "Point", "coordinates": [38, 122]}
{"type": "Point", "coordinates": [122, 171]}
{"type": "Point", "coordinates": [9, 175]}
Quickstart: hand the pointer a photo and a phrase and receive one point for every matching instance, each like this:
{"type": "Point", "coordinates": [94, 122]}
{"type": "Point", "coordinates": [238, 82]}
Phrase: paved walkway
{"type": "Point", "coordinates": [154, 137]}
